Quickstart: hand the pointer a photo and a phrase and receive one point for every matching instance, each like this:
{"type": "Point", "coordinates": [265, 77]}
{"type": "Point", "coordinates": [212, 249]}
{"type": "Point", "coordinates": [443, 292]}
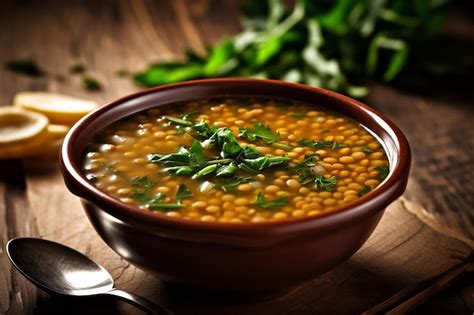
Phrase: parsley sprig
{"type": "Point", "coordinates": [308, 175]}
{"type": "Point", "coordinates": [383, 171]}
{"type": "Point", "coordinates": [321, 144]}
{"type": "Point", "coordinates": [276, 203]}
{"type": "Point", "coordinates": [330, 44]}
{"type": "Point", "coordinates": [229, 156]}
{"type": "Point", "coordinates": [264, 133]}
{"type": "Point", "coordinates": [143, 195]}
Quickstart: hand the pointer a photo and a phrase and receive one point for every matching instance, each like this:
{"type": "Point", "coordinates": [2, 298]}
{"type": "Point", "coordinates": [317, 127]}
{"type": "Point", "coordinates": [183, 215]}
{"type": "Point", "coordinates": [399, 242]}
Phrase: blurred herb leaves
{"type": "Point", "coordinates": [329, 44]}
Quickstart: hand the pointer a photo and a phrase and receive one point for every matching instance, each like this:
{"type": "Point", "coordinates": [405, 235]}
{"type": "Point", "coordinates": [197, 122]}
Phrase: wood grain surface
{"type": "Point", "coordinates": [108, 36]}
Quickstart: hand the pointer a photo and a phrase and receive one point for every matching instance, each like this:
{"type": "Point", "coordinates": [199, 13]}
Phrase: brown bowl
{"type": "Point", "coordinates": [245, 257]}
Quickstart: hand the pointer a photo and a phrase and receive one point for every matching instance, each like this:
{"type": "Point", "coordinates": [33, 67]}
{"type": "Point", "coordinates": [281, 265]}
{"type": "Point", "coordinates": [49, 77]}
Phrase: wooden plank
{"type": "Point", "coordinates": [442, 143]}
{"type": "Point", "coordinates": [16, 219]}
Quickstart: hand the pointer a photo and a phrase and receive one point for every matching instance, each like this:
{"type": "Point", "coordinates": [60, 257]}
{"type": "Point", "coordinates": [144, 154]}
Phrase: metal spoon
{"type": "Point", "coordinates": [56, 268]}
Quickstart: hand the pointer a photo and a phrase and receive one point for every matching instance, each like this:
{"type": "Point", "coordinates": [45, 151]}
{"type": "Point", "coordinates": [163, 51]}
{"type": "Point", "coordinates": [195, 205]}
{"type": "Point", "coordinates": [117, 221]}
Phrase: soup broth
{"type": "Point", "coordinates": [236, 160]}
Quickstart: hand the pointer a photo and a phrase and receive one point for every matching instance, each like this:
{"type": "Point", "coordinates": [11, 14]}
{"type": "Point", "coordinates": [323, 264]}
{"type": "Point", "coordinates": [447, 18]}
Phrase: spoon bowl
{"type": "Point", "coordinates": [77, 274]}
{"type": "Point", "coordinates": [56, 268]}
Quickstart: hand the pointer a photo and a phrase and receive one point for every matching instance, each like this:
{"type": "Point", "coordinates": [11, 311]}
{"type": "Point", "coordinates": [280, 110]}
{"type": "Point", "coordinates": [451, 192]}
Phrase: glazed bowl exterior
{"type": "Point", "coordinates": [244, 257]}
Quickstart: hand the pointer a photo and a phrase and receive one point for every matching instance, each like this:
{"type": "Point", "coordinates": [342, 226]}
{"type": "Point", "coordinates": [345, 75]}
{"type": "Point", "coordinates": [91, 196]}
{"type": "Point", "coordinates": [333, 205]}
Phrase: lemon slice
{"type": "Point", "coordinates": [57, 131]}
{"type": "Point", "coordinates": [20, 125]}
{"type": "Point", "coordinates": [46, 142]}
{"type": "Point", "coordinates": [60, 109]}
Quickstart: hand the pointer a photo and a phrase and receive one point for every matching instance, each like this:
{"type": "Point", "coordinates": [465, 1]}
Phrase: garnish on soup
{"type": "Point", "coordinates": [236, 160]}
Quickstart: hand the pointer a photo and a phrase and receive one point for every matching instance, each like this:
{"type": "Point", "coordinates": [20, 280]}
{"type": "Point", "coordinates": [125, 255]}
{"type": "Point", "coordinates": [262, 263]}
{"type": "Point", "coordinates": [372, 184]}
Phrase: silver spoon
{"type": "Point", "coordinates": [56, 268]}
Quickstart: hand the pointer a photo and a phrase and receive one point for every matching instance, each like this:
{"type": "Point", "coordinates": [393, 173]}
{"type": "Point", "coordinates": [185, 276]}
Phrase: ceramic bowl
{"type": "Point", "coordinates": [244, 258]}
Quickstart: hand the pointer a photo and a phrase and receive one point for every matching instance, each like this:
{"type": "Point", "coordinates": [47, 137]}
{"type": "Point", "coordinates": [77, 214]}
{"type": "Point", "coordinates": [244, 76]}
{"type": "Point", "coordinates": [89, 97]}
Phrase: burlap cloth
{"type": "Point", "coordinates": [407, 247]}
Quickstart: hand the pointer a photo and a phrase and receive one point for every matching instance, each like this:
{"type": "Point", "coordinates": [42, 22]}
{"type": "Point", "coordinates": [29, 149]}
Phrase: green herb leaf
{"type": "Point", "coordinates": [364, 190]}
{"type": "Point", "coordinates": [230, 146]}
{"type": "Point", "coordinates": [77, 68]}
{"type": "Point", "coordinates": [205, 132]}
{"type": "Point", "coordinates": [24, 66]}
{"type": "Point", "coordinates": [306, 142]}
{"type": "Point", "coordinates": [320, 43]}
{"type": "Point", "coordinates": [323, 183]}
{"type": "Point", "coordinates": [282, 146]}
{"type": "Point", "coordinates": [143, 182]}
{"type": "Point", "coordinates": [250, 152]}
{"type": "Point", "coordinates": [263, 162]}
{"type": "Point", "coordinates": [178, 121]}
{"type": "Point", "coordinates": [260, 201]}
{"type": "Point", "coordinates": [321, 144]}
{"type": "Point", "coordinates": [227, 170]}
{"type": "Point", "coordinates": [257, 164]}
{"type": "Point", "coordinates": [260, 131]}
{"type": "Point", "coordinates": [383, 171]}
{"type": "Point", "coordinates": [367, 149]}
{"type": "Point", "coordinates": [196, 155]}
{"type": "Point", "coordinates": [298, 115]}
{"type": "Point", "coordinates": [219, 58]}
{"type": "Point", "coordinates": [91, 84]}
{"type": "Point", "coordinates": [165, 73]}
{"type": "Point", "coordinates": [230, 184]}
{"type": "Point", "coordinates": [144, 197]}
{"type": "Point", "coordinates": [309, 161]}
{"type": "Point", "coordinates": [174, 159]}
{"type": "Point", "coordinates": [268, 49]}
{"type": "Point", "coordinates": [205, 171]}
{"type": "Point", "coordinates": [183, 192]}
{"type": "Point", "coordinates": [179, 170]}
{"type": "Point", "coordinates": [164, 207]}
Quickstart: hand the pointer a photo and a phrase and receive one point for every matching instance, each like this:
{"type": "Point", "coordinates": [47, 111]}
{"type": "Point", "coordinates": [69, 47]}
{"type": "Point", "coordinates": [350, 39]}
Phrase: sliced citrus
{"type": "Point", "coordinates": [58, 131]}
{"type": "Point", "coordinates": [18, 125]}
{"type": "Point", "coordinates": [42, 144]}
{"type": "Point", "coordinates": [59, 108]}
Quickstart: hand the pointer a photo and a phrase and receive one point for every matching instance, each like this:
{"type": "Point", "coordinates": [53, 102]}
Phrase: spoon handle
{"type": "Point", "coordinates": [138, 301]}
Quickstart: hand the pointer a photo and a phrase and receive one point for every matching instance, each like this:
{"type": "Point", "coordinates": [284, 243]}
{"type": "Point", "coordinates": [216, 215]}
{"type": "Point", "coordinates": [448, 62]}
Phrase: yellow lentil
{"type": "Point", "coordinates": [129, 143]}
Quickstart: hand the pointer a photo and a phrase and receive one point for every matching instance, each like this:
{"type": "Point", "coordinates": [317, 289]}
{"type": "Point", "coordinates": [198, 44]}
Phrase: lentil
{"type": "Point", "coordinates": [121, 154]}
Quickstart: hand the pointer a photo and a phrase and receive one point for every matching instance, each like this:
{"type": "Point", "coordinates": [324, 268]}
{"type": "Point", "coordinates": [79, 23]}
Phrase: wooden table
{"type": "Point", "coordinates": [112, 35]}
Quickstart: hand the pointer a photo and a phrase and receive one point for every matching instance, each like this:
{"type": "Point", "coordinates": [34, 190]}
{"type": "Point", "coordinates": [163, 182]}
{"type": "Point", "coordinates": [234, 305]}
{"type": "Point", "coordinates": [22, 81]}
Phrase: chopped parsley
{"type": "Point", "coordinates": [364, 190]}
{"type": "Point", "coordinates": [77, 68]}
{"type": "Point", "coordinates": [323, 183]}
{"type": "Point", "coordinates": [24, 66]}
{"type": "Point", "coordinates": [260, 201]}
{"type": "Point", "coordinates": [183, 193]}
{"type": "Point", "coordinates": [260, 131]}
{"type": "Point", "coordinates": [91, 84]}
{"type": "Point", "coordinates": [298, 115]}
{"type": "Point", "coordinates": [230, 157]}
{"type": "Point", "coordinates": [178, 121]}
{"type": "Point", "coordinates": [142, 190]}
{"type": "Point", "coordinates": [229, 184]}
{"type": "Point", "coordinates": [367, 149]}
{"type": "Point", "coordinates": [143, 195]}
{"type": "Point", "coordinates": [143, 182]}
{"type": "Point", "coordinates": [383, 171]}
{"type": "Point", "coordinates": [307, 174]}
{"type": "Point", "coordinates": [321, 144]}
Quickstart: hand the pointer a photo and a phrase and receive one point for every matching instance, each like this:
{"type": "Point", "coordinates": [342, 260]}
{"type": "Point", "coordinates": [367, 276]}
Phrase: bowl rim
{"type": "Point", "coordinates": [390, 189]}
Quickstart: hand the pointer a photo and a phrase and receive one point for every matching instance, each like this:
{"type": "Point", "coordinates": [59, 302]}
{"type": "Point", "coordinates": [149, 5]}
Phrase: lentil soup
{"type": "Point", "coordinates": [236, 160]}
